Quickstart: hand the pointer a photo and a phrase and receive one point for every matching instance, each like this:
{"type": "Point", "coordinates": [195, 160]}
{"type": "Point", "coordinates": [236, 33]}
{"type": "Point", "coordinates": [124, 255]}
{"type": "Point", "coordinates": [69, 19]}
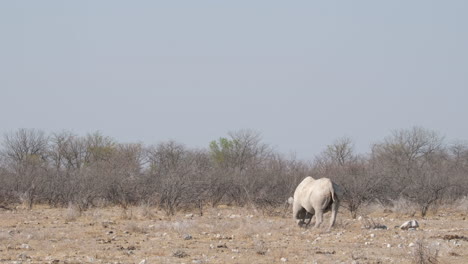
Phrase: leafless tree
{"type": "Point", "coordinates": [25, 152]}
{"type": "Point", "coordinates": [415, 163]}
{"type": "Point", "coordinates": [353, 174]}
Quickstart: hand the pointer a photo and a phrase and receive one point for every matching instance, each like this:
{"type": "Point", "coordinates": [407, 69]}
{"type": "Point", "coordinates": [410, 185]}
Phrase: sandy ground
{"type": "Point", "coordinates": [221, 235]}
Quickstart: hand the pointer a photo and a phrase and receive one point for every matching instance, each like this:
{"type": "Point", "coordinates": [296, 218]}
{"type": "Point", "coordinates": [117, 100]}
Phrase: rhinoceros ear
{"type": "Point", "coordinates": [290, 200]}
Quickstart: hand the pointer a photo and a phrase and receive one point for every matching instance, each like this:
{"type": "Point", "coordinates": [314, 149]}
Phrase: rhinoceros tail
{"type": "Point", "coordinates": [332, 191]}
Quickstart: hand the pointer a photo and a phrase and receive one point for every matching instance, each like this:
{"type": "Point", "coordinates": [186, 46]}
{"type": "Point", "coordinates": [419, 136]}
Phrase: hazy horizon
{"type": "Point", "coordinates": [302, 74]}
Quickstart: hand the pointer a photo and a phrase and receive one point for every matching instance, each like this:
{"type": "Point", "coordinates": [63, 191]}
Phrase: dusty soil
{"type": "Point", "coordinates": [222, 235]}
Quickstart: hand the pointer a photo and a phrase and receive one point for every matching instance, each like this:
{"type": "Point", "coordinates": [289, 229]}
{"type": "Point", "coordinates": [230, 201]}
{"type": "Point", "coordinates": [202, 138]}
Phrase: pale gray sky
{"type": "Point", "coordinates": [302, 73]}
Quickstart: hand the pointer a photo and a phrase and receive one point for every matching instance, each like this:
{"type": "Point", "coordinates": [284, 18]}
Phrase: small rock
{"type": "Point", "coordinates": [372, 235]}
{"type": "Point", "coordinates": [284, 259]}
{"type": "Point", "coordinates": [142, 262]}
{"type": "Point", "coordinates": [187, 237]}
{"type": "Point", "coordinates": [25, 246]}
{"type": "Point", "coordinates": [23, 256]}
{"type": "Point", "coordinates": [389, 246]}
{"type": "Point", "coordinates": [188, 215]}
{"type": "Point", "coordinates": [411, 245]}
{"type": "Point", "coordinates": [180, 254]}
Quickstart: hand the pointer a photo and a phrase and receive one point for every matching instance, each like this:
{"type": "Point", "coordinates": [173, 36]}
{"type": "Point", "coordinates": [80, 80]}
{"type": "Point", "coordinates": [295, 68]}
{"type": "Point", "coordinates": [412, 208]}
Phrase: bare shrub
{"type": "Point", "coordinates": [353, 174]}
{"type": "Point", "coordinates": [414, 162]}
{"type": "Point", "coordinates": [402, 206]}
{"type": "Point", "coordinates": [423, 254]}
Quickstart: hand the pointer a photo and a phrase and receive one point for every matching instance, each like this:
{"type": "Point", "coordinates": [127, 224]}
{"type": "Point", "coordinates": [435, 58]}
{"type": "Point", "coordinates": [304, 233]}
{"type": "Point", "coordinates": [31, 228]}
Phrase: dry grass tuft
{"type": "Point", "coordinates": [126, 214]}
{"type": "Point", "coordinates": [462, 204]}
{"type": "Point", "coordinates": [260, 247]}
{"type": "Point", "coordinates": [134, 228]}
{"type": "Point", "coordinates": [72, 213]}
{"type": "Point", "coordinates": [145, 211]}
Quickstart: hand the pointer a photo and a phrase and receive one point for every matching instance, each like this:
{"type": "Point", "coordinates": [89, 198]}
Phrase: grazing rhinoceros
{"type": "Point", "coordinates": [315, 197]}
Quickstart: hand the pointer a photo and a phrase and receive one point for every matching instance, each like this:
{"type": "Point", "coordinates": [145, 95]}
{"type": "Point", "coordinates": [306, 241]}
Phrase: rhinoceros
{"type": "Point", "coordinates": [315, 197]}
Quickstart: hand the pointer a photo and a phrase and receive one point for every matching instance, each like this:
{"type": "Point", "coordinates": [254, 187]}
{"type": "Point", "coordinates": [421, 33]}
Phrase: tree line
{"type": "Point", "coordinates": [63, 168]}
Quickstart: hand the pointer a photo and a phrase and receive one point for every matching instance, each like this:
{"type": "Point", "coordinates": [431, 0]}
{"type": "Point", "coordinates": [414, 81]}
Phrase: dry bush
{"type": "Point", "coordinates": [423, 254]}
{"type": "Point", "coordinates": [402, 206]}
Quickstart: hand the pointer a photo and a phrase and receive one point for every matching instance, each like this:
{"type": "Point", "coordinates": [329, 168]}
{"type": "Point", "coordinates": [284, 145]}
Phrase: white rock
{"type": "Point", "coordinates": [284, 259]}
{"type": "Point", "coordinates": [411, 245]}
{"type": "Point", "coordinates": [142, 262]}
{"type": "Point", "coordinates": [372, 235]}
{"type": "Point", "coordinates": [25, 246]}
{"type": "Point", "coordinates": [389, 246]}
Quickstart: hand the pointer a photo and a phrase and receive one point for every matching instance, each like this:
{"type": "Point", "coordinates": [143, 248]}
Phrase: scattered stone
{"type": "Point", "coordinates": [325, 252]}
{"type": "Point", "coordinates": [142, 262]}
{"type": "Point", "coordinates": [187, 237]}
{"type": "Point", "coordinates": [25, 246]}
{"type": "Point", "coordinates": [188, 215]}
{"type": "Point", "coordinates": [389, 246]}
{"type": "Point", "coordinates": [372, 235]}
{"type": "Point", "coordinates": [222, 246]}
{"type": "Point", "coordinates": [23, 256]}
{"type": "Point", "coordinates": [455, 237]}
{"type": "Point", "coordinates": [411, 245]}
{"type": "Point", "coordinates": [409, 224]}
{"type": "Point", "coordinates": [284, 259]}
